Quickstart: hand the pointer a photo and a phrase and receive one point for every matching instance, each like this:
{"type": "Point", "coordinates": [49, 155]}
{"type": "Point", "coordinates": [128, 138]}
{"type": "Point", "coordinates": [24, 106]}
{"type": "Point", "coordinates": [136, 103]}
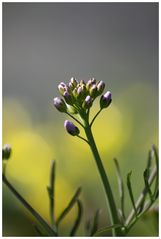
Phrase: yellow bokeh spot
{"type": "Point", "coordinates": [29, 167]}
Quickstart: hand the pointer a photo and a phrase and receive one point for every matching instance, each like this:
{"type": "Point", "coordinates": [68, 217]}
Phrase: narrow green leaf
{"type": "Point", "coordinates": [50, 230]}
{"type": "Point", "coordinates": [51, 193]}
{"type": "Point", "coordinates": [148, 168]}
{"type": "Point", "coordinates": [156, 194]}
{"type": "Point", "coordinates": [69, 207]}
{"type": "Point", "coordinates": [146, 176]}
{"type": "Point", "coordinates": [52, 176]}
{"type": "Point", "coordinates": [149, 161]}
{"type": "Point", "coordinates": [95, 222]}
{"type": "Point", "coordinates": [104, 230]}
{"type": "Point", "coordinates": [130, 191]}
{"type": "Point", "coordinates": [157, 175]}
{"type": "Point", "coordinates": [121, 187]}
{"type": "Point", "coordinates": [78, 219]}
{"type": "Point", "coordinates": [141, 207]}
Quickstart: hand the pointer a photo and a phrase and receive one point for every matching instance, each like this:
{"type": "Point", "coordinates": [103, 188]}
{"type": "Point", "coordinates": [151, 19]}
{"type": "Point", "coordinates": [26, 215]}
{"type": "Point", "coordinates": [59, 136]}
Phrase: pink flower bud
{"type": "Point", "coordinates": [105, 100]}
{"type": "Point", "coordinates": [60, 104]}
{"type": "Point", "coordinates": [71, 128]}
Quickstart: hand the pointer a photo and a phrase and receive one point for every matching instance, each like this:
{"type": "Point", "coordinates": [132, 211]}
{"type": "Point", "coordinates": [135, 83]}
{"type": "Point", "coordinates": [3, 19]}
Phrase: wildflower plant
{"type": "Point", "coordinates": [76, 101]}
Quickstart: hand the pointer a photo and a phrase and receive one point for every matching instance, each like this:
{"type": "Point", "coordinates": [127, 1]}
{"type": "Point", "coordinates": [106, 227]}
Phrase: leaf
{"type": "Point", "coordinates": [102, 231]}
{"type": "Point", "coordinates": [157, 175]}
{"type": "Point", "coordinates": [69, 207]}
{"type": "Point", "coordinates": [78, 219]}
{"type": "Point", "coordinates": [50, 230]}
{"type": "Point", "coordinates": [51, 187]}
{"type": "Point", "coordinates": [149, 161]}
{"type": "Point", "coordinates": [130, 191]}
{"type": "Point", "coordinates": [95, 222]}
{"type": "Point", "coordinates": [51, 193]}
{"type": "Point", "coordinates": [146, 176]}
{"type": "Point", "coordinates": [148, 167]}
{"type": "Point", "coordinates": [121, 187]}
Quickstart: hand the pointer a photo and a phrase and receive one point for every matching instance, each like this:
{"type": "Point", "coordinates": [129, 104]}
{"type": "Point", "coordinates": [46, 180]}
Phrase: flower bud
{"type": "Point", "coordinates": [82, 82]}
{"type": "Point", "coordinates": [68, 98]}
{"type": "Point", "coordinates": [60, 104]}
{"type": "Point", "coordinates": [71, 109]}
{"type": "Point", "coordinates": [80, 92]}
{"type": "Point", "coordinates": [71, 128]}
{"type": "Point", "coordinates": [73, 81]}
{"type": "Point", "coordinates": [93, 91]}
{"type": "Point", "coordinates": [83, 88]}
{"type": "Point", "coordinates": [74, 92]}
{"type": "Point", "coordinates": [100, 87]}
{"type": "Point", "coordinates": [71, 86]}
{"type": "Point", "coordinates": [93, 80]}
{"type": "Point", "coordinates": [89, 84]}
{"type": "Point", "coordinates": [88, 102]}
{"type": "Point", "coordinates": [62, 88]}
{"type": "Point", "coordinates": [105, 100]}
{"type": "Point", "coordinates": [6, 152]}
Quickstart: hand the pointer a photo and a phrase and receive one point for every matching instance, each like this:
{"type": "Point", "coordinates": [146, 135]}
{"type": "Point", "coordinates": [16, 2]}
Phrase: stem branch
{"type": "Point", "coordinates": [95, 117]}
{"type": "Point", "coordinates": [75, 119]}
{"type": "Point", "coordinates": [83, 139]}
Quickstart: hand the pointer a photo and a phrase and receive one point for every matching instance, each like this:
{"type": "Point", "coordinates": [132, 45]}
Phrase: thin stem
{"type": "Point", "coordinates": [83, 139]}
{"type": "Point", "coordinates": [4, 168]}
{"type": "Point", "coordinates": [105, 181]}
{"type": "Point", "coordinates": [27, 205]}
{"type": "Point", "coordinates": [141, 197]}
{"type": "Point", "coordinates": [51, 190]}
{"type": "Point", "coordinates": [95, 117]}
{"type": "Point", "coordinates": [75, 119]}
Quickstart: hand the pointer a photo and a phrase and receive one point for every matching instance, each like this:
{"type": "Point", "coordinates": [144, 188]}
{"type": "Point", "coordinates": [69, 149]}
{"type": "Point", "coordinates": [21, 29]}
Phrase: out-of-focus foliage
{"type": "Point", "coordinates": [125, 131]}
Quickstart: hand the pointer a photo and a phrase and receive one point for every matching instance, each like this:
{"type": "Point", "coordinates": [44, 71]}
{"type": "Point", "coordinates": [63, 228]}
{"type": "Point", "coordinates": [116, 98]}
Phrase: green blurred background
{"type": "Point", "coordinates": [46, 43]}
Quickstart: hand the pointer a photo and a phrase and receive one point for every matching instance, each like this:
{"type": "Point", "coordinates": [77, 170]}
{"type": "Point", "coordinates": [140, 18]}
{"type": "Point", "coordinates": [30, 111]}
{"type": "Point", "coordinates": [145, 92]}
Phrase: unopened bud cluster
{"type": "Point", "coordinates": [79, 96]}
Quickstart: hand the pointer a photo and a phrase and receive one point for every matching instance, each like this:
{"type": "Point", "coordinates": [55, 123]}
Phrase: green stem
{"type": "Point", "coordinates": [27, 205]}
{"type": "Point", "coordinates": [75, 119]}
{"type": "Point", "coordinates": [95, 117]}
{"type": "Point", "coordinates": [51, 189]}
{"type": "Point", "coordinates": [83, 139]}
{"type": "Point", "coordinates": [105, 181]}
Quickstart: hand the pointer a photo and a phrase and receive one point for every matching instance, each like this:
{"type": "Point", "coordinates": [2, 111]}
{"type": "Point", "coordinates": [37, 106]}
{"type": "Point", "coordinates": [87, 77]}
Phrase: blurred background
{"type": "Point", "coordinates": [46, 43]}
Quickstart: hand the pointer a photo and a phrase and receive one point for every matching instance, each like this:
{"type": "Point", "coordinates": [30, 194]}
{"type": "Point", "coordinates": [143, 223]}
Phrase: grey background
{"type": "Point", "coordinates": [45, 43]}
